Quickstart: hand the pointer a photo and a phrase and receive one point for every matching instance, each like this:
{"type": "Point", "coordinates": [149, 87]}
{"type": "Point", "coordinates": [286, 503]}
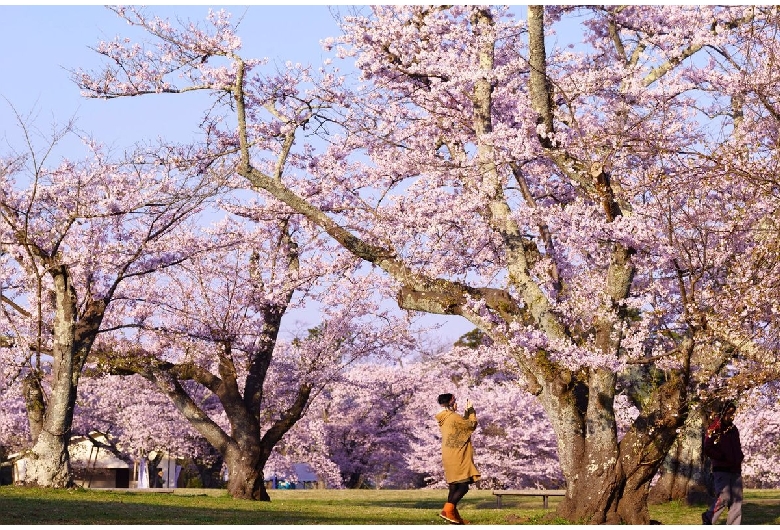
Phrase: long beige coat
{"type": "Point", "coordinates": [457, 453]}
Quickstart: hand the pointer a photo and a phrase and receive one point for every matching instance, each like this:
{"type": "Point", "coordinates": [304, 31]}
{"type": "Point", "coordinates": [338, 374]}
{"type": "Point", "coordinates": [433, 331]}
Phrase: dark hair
{"type": "Point", "coordinates": [730, 405]}
{"type": "Point", "coordinates": [444, 399]}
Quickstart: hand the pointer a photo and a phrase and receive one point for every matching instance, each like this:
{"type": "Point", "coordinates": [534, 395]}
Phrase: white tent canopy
{"type": "Point", "coordinates": [84, 453]}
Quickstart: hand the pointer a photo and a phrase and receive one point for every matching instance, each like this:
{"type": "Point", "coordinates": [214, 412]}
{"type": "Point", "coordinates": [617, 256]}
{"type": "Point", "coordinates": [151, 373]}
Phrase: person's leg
{"type": "Point", "coordinates": [456, 494]}
{"type": "Point", "coordinates": [706, 516]}
{"type": "Point", "coordinates": [722, 500]}
{"type": "Point", "coordinates": [457, 491]}
{"type": "Point", "coordinates": [735, 508]}
{"type": "Point", "coordinates": [449, 513]}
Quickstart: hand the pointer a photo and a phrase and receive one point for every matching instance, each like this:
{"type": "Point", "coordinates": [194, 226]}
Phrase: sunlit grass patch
{"type": "Point", "coordinates": [343, 507]}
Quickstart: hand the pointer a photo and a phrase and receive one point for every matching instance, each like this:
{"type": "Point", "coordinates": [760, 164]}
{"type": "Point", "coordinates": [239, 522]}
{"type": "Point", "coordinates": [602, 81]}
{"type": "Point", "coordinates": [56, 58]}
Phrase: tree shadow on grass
{"type": "Point", "coordinates": [86, 512]}
{"type": "Point", "coordinates": [81, 508]}
{"type": "Point", "coordinates": [760, 511]}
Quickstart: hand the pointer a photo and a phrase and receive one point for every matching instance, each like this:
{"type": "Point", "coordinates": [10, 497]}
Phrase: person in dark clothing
{"type": "Point", "coordinates": [723, 447]}
{"type": "Point", "coordinates": [157, 480]}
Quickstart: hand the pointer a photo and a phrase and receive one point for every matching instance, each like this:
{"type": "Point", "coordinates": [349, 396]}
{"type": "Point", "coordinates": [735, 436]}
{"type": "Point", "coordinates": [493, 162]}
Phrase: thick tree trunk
{"type": "Point", "coordinates": [245, 451]}
{"type": "Point", "coordinates": [683, 475]}
{"type": "Point", "coordinates": [245, 475]}
{"type": "Point", "coordinates": [606, 481]}
{"type": "Point", "coordinates": [600, 494]}
{"type": "Point", "coordinates": [48, 462]}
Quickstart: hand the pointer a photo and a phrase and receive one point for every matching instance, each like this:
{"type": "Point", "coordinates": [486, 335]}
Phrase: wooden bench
{"type": "Point", "coordinates": [544, 494]}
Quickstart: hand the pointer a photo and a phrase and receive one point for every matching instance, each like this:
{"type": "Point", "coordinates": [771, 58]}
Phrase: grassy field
{"type": "Point", "coordinates": [330, 507]}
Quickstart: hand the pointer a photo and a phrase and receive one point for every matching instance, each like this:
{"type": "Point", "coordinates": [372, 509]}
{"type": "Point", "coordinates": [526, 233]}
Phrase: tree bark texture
{"type": "Point", "coordinates": [48, 462]}
{"type": "Point", "coordinates": [34, 402]}
{"type": "Point", "coordinates": [606, 481]}
{"type": "Point", "coordinates": [683, 473]}
{"type": "Point", "coordinates": [245, 473]}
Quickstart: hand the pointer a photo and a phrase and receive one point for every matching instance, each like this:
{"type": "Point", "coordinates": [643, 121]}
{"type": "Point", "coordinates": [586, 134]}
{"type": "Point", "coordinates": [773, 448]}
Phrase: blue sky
{"type": "Point", "coordinates": [42, 43]}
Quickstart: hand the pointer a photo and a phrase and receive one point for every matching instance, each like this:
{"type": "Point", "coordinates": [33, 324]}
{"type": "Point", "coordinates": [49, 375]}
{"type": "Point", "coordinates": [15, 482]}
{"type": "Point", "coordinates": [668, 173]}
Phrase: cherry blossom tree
{"type": "Point", "coordinates": [514, 442]}
{"type": "Point", "coordinates": [210, 327]}
{"type": "Point", "coordinates": [578, 204]}
{"type": "Point", "coordinates": [377, 424]}
{"type": "Point", "coordinates": [13, 421]}
{"type": "Point", "coordinates": [758, 421]}
{"type": "Point", "coordinates": [743, 170]}
{"type": "Point", "coordinates": [366, 426]}
{"type": "Point", "coordinates": [137, 419]}
{"type": "Point", "coordinates": [71, 235]}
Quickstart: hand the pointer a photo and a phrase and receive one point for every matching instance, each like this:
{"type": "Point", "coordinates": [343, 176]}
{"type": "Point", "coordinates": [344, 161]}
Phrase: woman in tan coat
{"type": "Point", "coordinates": [457, 453]}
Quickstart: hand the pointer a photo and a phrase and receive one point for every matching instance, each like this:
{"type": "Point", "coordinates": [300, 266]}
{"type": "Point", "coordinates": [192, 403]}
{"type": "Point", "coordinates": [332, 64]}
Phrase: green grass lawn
{"type": "Point", "coordinates": [343, 507]}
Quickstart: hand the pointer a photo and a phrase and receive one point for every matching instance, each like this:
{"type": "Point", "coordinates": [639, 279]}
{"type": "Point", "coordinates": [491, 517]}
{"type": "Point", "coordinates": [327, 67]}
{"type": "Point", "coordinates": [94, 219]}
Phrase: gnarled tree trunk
{"type": "Point", "coordinates": [245, 450]}
{"type": "Point", "coordinates": [245, 473]}
{"type": "Point", "coordinates": [606, 481]}
{"type": "Point", "coordinates": [683, 474]}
